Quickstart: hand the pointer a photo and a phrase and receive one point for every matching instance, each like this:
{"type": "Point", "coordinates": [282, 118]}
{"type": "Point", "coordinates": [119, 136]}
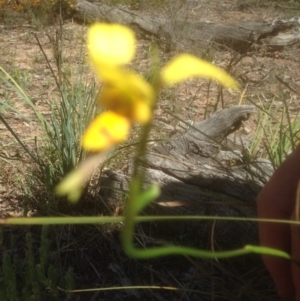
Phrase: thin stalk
{"type": "Point", "coordinates": [139, 173]}
{"type": "Point", "coordinates": [17, 138]}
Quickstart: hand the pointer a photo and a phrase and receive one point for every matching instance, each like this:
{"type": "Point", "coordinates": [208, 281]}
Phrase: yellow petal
{"type": "Point", "coordinates": [72, 185]}
{"type": "Point", "coordinates": [127, 94]}
{"type": "Point", "coordinates": [185, 66]}
{"type": "Point", "coordinates": [110, 44]}
{"type": "Point", "coordinates": [105, 131]}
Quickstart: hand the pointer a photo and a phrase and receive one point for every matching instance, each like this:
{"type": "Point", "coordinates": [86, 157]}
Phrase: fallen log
{"type": "Point", "coordinates": [175, 35]}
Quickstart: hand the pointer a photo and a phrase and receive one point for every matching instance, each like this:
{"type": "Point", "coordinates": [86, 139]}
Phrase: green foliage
{"type": "Point", "coordinates": [69, 281]}
{"type": "Point", "coordinates": [275, 137]}
{"type": "Point", "coordinates": [61, 151]}
{"type": "Point", "coordinates": [10, 281]}
{"type": "Point", "coordinates": [38, 278]}
{"type": "Point", "coordinates": [21, 77]}
{"type": "Point", "coordinates": [58, 150]}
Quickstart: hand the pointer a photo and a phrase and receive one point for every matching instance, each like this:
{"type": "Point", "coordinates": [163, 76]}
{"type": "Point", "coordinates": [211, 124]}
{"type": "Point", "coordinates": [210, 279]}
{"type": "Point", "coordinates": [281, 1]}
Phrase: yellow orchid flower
{"type": "Point", "coordinates": [126, 95]}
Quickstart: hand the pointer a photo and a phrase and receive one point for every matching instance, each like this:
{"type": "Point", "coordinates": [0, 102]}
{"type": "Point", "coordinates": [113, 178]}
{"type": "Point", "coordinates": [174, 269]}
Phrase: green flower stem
{"type": "Point", "coordinates": [134, 195]}
{"type": "Point", "coordinates": [137, 199]}
{"type": "Point", "coordinates": [132, 208]}
{"type": "Point", "coordinates": [138, 219]}
{"type": "Point", "coordinates": [187, 251]}
{"type": "Point", "coordinates": [138, 176]}
{"type": "Point", "coordinates": [60, 220]}
{"type": "Point", "coordinates": [161, 251]}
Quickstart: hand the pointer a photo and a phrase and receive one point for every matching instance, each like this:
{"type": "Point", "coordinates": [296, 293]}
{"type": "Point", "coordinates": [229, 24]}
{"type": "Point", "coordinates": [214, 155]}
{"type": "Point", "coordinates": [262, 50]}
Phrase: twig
{"type": "Point", "coordinates": [286, 84]}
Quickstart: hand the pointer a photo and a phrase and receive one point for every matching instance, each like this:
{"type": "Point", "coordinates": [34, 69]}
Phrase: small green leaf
{"type": "Point", "coordinates": [146, 197]}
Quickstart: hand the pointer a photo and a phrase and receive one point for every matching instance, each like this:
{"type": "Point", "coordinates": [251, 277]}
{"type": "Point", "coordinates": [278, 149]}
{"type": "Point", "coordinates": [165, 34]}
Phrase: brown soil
{"type": "Point", "coordinates": [21, 56]}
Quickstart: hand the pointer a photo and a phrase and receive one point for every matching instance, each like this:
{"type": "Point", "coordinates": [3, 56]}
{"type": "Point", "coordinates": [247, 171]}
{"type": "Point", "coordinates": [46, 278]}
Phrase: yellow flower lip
{"type": "Point", "coordinates": [129, 95]}
{"type": "Point", "coordinates": [105, 131]}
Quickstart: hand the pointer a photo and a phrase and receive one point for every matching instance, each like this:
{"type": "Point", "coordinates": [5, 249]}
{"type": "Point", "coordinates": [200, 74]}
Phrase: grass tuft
{"type": "Point", "coordinates": [57, 150]}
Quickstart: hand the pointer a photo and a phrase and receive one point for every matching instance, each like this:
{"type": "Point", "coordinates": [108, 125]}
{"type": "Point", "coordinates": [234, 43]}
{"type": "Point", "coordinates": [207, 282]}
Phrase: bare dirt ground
{"type": "Point", "coordinates": [21, 56]}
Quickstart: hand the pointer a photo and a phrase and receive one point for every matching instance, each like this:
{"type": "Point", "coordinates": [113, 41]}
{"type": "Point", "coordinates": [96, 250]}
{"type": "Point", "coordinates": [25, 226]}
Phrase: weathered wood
{"type": "Point", "coordinates": [240, 37]}
{"type": "Point", "coordinates": [196, 176]}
